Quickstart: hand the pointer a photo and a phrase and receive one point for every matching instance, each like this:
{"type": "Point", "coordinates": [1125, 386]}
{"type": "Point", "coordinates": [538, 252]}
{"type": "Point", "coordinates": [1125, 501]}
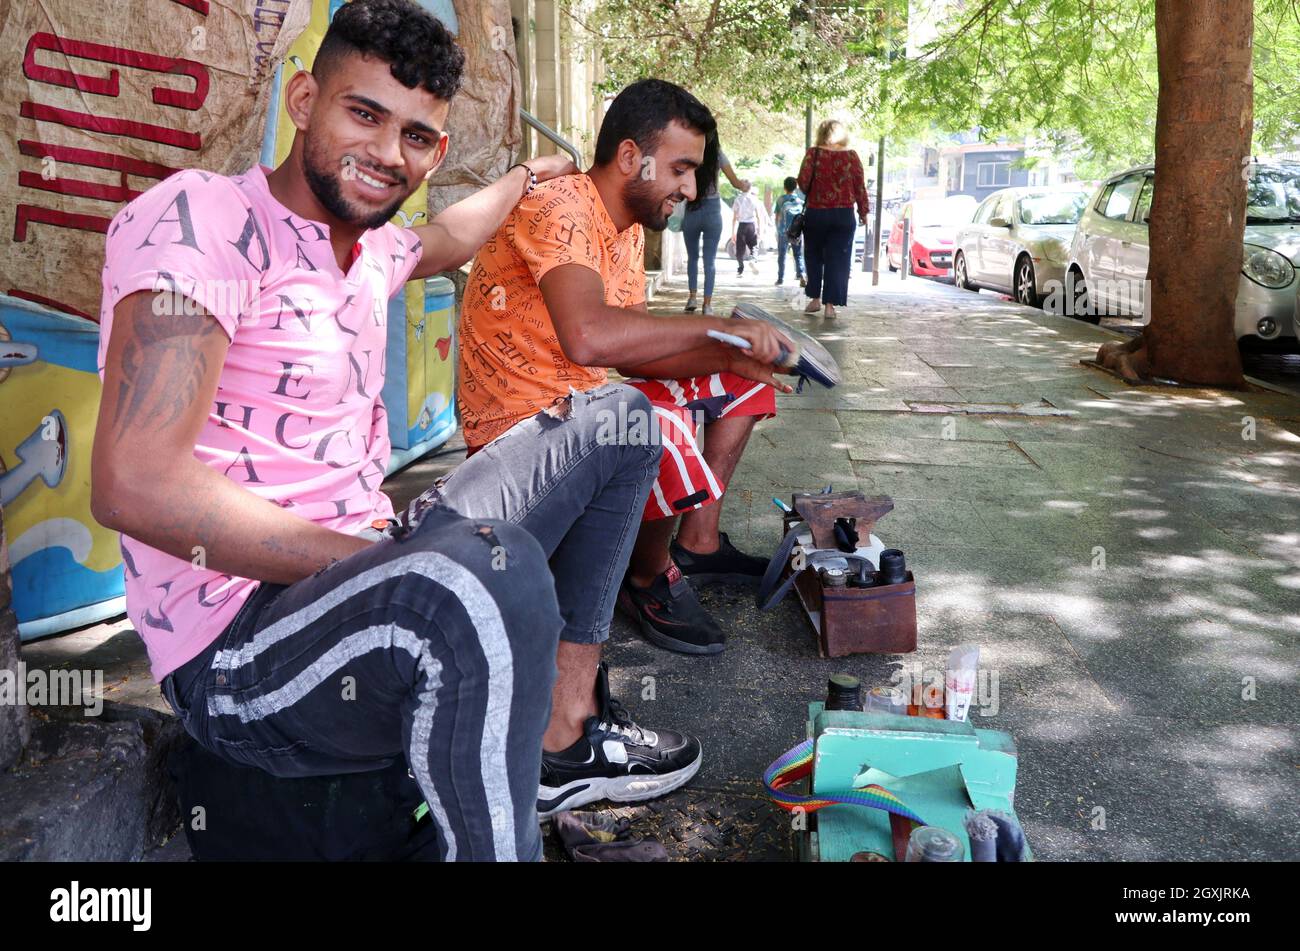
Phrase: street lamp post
{"type": "Point", "coordinates": [880, 198]}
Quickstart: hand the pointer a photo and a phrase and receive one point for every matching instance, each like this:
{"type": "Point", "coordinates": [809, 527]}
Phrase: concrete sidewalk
{"type": "Point", "coordinates": [1131, 572]}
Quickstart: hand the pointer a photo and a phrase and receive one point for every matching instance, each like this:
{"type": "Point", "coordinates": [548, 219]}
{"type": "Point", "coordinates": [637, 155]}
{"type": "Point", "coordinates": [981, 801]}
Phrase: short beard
{"type": "Point", "coordinates": [645, 206]}
{"type": "Point", "coordinates": [329, 192]}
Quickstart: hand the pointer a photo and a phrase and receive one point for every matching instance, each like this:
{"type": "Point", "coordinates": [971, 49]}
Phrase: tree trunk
{"type": "Point", "coordinates": [1204, 122]}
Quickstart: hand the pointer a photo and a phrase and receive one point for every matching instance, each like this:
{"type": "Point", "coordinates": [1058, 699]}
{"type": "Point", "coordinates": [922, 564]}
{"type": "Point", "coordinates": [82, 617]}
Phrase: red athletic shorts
{"type": "Point", "coordinates": [685, 480]}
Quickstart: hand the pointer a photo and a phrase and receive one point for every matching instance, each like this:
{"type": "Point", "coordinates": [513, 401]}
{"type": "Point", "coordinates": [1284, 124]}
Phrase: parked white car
{"type": "Point", "coordinates": [1107, 269]}
{"type": "Point", "coordinates": [1019, 242]}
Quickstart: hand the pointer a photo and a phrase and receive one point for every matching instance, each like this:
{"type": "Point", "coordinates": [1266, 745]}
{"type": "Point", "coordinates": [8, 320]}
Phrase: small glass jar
{"type": "Point", "coordinates": [932, 844]}
{"type": "Point", "coordinates": [886, 700]}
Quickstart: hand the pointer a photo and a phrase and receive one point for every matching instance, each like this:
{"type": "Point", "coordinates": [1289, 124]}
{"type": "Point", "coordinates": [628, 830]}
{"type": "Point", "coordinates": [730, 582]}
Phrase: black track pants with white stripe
{"type": "Point", "coordinates": [438, 647]}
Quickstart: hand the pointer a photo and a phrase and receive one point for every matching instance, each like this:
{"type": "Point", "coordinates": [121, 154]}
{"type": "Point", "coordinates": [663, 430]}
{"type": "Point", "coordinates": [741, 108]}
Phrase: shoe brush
{"type": "Point", "coordinates": [788, 359]}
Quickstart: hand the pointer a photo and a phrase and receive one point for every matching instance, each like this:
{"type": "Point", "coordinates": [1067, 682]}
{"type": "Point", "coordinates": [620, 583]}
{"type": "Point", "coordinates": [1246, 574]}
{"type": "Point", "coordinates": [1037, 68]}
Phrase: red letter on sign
{"type": "Point", "coordinates": [136, 130]}
{"type": "Point", "coordinates": [108, 85]}
{"type": "Point", "coordinates": [63, 219]}
{"type": "Point", "coordinates": [93, 159]}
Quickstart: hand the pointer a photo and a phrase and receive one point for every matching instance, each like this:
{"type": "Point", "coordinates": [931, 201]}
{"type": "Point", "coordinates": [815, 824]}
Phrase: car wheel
{"type": "Point", "coordinates": [959, 276]}
{"type": "Point", "coordinates": [1078, 303]}
{"type": "Point", "coordinates": [889, 262]}
{"type": "Point", "coordinates": [1026, 289]}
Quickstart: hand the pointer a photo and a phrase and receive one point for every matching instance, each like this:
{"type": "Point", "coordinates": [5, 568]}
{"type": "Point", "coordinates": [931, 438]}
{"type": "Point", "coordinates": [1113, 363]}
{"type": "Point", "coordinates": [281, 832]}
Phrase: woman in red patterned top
{"type": "Point", "coordinates": [831, 176]}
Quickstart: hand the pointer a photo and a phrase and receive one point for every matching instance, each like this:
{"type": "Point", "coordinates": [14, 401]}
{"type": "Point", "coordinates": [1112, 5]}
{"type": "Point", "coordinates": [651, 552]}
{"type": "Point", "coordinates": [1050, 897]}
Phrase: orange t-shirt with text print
{"type": "Point", "coordinates": [511, 362]}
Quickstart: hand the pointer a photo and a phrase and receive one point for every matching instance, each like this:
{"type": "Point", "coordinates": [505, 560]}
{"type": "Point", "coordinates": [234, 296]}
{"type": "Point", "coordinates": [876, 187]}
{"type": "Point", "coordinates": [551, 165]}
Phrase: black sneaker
{"type": "Point", "coordinates": [671, 616]}
{"type": "Point", "coordinates": [728, 564]}
{"type": "Point", "coordinates": [615, 759]}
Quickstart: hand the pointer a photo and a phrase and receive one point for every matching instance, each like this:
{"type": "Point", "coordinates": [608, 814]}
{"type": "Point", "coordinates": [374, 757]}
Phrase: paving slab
{"type": "Point", "coordinates": [1162, 797]}
{"type": "Point", "coordinates": [938, 452]}
{"type": "Point", "coordinates": [793, 416]}
{"type": "Point", "coordinates": [953, 482]}
{"type": "Point", "coordinates": [859, 425]}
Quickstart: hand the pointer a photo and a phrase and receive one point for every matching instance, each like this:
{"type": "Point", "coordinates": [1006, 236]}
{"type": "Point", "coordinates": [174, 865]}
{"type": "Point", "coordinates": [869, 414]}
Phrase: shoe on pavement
{"type": "Point", "coordinates": [615, 759]}
{"type": "Point", "coordinates": [803, 281]}
{"type": "Point", "coordinates": [690, 304]}
{"type": "Point", "coordinates": [814, 305]}
{"type": "Point", "coordinates": [707, 310]}
{"type": "Point", "coordinates": [600, 837]}
{"type": "Point", "coordinates": [727, 564]}
{"type": "Point", "coordinates": [671, 616]}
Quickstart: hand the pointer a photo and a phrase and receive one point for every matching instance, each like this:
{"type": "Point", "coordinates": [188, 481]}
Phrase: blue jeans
{"type": "Point", "coordinates": [828, 244]}
{"type": "Point", "coordinates": [437, 643]}
{"type": "Point", "coordinates": [704, 222]}
{"type": "Point", "coordinates": [796, 249]}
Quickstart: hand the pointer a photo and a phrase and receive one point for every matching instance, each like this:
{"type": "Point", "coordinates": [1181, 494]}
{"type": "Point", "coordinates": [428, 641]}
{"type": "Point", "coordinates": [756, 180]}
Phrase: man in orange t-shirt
{"type": "Point", "coordinates": [558, 294]}
{"type": "Point", "coordinates": [511, 363]}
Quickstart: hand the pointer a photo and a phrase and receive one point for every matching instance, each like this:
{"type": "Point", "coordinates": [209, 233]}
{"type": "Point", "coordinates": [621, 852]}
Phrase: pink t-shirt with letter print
{"type": "Point", "coordinates": [297, 417]}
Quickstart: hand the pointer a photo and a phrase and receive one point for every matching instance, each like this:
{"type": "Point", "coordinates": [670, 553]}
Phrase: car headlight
{"type": "Point", "coordinates": [1267, 267]}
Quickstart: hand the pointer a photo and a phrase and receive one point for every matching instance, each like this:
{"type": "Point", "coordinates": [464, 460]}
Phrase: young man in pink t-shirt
{"type": "Point", "coordinates": [295, 621]}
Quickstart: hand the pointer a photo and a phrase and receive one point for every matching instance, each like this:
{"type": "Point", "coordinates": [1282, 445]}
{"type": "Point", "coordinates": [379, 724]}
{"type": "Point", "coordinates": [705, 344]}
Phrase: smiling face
{"type": "Point", "coordinates": [653, 188]}
{"type": "Point", "coordinates": [367, 140]}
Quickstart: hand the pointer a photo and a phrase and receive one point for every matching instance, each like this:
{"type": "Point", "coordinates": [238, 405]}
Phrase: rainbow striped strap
{"type": "Point", "coordinates": [796, 763]}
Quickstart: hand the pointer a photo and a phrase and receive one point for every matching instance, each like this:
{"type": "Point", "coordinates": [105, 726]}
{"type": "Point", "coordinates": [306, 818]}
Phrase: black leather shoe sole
{"type": "Point", "coordinates": [659, 639]}
{"type": "Point", "coordinates": [749, 581]}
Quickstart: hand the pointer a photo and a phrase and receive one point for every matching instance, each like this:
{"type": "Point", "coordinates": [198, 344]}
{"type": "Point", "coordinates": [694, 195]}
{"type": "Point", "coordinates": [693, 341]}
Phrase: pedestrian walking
{"type": "Point", "coordinates": [744, 227]}
{"type": "Point", "coordinates": [702, 223]}
{"type": "Point", "coordinates": [831, 177]}
{"type": "Point", "coordinates": [786, 209]}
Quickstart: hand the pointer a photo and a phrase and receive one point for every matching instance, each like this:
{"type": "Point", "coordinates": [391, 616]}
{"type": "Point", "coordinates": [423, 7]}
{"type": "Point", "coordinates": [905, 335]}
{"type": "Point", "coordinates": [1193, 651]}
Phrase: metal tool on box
{"type": "Point", "coordinates": [858, 597]}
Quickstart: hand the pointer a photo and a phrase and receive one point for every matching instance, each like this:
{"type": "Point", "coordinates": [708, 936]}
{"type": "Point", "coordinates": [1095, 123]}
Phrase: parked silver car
{"type": "Point", "coordinates": [1019, 241]}
{"type": "Point", "coordinates": [1108, 259]}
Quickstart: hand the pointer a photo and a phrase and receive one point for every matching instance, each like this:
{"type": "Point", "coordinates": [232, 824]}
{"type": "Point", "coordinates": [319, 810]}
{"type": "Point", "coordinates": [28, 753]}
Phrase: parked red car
{"type": "Point", "coordinates": [932, 227]}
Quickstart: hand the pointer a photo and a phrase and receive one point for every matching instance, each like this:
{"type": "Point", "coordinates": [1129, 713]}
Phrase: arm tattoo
{"type": "Point", "coordinates": [163, 365]}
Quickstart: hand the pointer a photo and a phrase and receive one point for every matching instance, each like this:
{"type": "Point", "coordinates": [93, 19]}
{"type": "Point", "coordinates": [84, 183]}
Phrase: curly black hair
{"type": "Point", "coordinates": [417, 47]}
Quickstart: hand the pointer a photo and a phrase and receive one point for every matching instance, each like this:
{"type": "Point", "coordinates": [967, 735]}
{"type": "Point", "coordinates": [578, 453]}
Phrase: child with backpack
{"type": "Point", "coordinates": [784, 211]}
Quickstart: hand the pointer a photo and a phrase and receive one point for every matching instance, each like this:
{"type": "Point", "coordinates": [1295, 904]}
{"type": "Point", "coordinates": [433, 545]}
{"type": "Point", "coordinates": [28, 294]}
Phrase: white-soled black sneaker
{"type": "Point", "coordinates": [615, 759]}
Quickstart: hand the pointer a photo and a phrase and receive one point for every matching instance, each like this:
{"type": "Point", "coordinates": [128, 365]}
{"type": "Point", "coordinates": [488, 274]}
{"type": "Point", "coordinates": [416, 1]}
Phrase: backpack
{"type": "Point", "coordinates": [791, 208]}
